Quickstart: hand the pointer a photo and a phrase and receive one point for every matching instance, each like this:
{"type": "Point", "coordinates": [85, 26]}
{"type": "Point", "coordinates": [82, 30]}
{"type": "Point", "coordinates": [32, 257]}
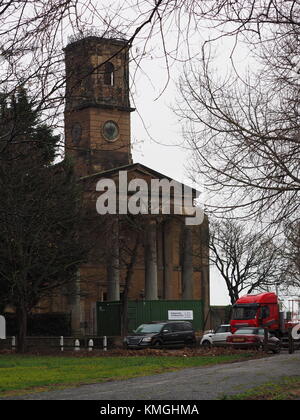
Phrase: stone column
{"type": "Point", "coordinates": [168, 260]}
{"type": "Point", "coordinates": [151, 292]}
{"type": "Point", "coordinates": [187, 264]}
{"type": "Point", "coordinates": [205, 292]}
{"type": "Point", "coordinates": [113, 269]}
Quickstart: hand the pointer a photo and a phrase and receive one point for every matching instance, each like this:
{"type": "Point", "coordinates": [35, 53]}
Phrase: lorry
{"type": "Point", "coordinates": [262, 310]}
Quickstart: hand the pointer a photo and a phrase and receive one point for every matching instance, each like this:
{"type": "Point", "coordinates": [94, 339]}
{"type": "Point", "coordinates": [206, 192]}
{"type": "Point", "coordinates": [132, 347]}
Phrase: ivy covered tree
{"type": "Point", "coordinates": [22, 133]}
{"type": "Point", "coordinates": [40, 211]}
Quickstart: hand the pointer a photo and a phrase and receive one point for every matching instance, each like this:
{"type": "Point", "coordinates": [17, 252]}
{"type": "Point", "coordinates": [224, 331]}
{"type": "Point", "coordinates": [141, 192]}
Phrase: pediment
{"type": "Point", "coordinates": [136, 171]}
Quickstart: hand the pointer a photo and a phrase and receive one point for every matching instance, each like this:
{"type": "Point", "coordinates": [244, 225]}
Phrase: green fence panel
{"type": "Point", "coordinates": [157, 310]}
{"type": "Point", "coordinates": [139, 312]}
{"type": "Point", "coordinates": [109, 318]}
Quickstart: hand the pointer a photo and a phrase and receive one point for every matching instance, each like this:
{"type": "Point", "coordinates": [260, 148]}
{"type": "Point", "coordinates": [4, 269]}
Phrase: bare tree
{"type": "Point", "coordinates": [130, 253]}
{"type": "Point", "coordinates": [244, 133]}
{"type": "Point", "coordinates": [246, 261]}
{"type": "Point", "coordinates": [243, 129]}
{"type": "Point", "coordinates": [34, 33]}
{"type": "Point", "coordinates": [291, 251]}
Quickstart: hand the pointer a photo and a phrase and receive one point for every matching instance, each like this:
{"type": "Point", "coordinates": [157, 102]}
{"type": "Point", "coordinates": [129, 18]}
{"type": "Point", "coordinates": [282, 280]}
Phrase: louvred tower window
{"type": "Point", "coordinates": [109, 74]}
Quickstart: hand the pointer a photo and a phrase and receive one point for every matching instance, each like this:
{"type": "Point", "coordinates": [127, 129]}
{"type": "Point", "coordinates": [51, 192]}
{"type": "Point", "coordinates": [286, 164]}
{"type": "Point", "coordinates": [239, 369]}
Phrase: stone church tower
{"type": "Point", "coordinates": [172, 260]}
{"type": "Point", "coordinates": [97, 112]}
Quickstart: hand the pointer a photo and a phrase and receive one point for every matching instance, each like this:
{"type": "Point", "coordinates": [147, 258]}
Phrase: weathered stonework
{"type": "Point", "coordinates": [164, 268]}
{"type": "Point", "coordinates": [90, 103]}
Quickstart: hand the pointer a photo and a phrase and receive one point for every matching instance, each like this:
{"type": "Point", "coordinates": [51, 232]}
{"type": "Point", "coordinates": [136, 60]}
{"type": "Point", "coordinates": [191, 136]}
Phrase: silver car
{"type": "Point", "coordinates": [217, 337]}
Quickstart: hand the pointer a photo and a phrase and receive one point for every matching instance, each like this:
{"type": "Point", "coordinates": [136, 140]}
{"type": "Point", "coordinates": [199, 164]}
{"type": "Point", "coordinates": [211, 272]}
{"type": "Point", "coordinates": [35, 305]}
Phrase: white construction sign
{"type": "Point", "coordinates": [2, 328]}
{"type": "Point", "coordinates": [175, 315]}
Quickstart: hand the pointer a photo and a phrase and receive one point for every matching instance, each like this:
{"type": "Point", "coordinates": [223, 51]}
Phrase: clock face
{"type": "Point", "coordinates": [110, 131]}
{"type": "Point", "coordinates": [76, 133]}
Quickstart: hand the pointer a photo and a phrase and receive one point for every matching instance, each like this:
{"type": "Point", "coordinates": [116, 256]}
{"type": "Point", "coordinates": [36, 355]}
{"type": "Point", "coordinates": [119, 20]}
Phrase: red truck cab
{"type": "Point", "coordinates": [256, 311]}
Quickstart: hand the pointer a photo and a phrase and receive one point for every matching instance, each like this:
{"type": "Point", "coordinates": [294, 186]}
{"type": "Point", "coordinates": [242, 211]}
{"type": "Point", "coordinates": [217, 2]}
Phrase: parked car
{"type": "Point", "coordinates": [253, 338]}
{"type": "Point", "coordinates": [160, 334]}
{"type": "Point", "coordinates": [217, 337]}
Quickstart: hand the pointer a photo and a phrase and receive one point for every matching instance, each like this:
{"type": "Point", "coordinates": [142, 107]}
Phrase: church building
{"type": "Point", "coordinates": [150, 256]}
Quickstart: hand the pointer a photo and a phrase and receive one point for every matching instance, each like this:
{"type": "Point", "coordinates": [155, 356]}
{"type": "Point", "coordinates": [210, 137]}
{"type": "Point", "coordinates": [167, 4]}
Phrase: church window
{"type": "Point", "coordinates": [109, 74]}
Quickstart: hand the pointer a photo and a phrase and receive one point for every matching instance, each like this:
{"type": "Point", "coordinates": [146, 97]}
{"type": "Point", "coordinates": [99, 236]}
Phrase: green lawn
{"type": "Point", "coordinates": [31, 373]}
{"type": "Point", "coordinates": [286, 389]}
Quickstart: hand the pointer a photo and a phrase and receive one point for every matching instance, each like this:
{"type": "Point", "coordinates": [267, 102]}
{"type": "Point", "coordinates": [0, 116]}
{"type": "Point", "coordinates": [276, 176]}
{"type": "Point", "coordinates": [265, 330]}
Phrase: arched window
{"type": "Point", "coordinates": [109, 74]}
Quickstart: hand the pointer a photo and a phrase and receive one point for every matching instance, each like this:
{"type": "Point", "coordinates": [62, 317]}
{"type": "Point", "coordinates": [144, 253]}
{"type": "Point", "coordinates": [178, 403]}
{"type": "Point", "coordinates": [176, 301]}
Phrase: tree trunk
{"type": "Point", "coordinates": [128, 279]}
{"type": "Point", "coordinates": [151, 261]}
{"type": "Point", "coordinates": [22, 317]}
{"type": "Point", "coordinates": [187, 264]}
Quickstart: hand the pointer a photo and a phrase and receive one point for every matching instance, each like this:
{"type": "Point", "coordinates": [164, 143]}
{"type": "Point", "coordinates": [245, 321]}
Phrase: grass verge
{"type": "Point", "coordinates": [287, 389]}
{"type": "Point", "coordinates": [25, 374]}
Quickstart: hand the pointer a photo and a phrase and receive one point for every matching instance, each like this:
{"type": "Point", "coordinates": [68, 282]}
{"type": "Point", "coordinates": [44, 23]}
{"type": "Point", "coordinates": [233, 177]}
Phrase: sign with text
{"type": "Point", "coordinates": [175, 315]}
{"type": "Point", "coordinates": [2, 328]}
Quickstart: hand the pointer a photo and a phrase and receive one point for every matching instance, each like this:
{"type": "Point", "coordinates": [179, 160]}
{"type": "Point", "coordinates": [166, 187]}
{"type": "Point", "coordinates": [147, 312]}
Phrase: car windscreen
{"type": "Point", "coordinates": [244, 312]}
{"type": "Point", "coordinates": [222, 329]}
{"type": "Point", "coordinates": [149, 328]}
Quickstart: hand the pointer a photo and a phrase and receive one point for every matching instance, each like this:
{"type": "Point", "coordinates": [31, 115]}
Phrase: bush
{"type": "Point", "coordinates": [50, 324]}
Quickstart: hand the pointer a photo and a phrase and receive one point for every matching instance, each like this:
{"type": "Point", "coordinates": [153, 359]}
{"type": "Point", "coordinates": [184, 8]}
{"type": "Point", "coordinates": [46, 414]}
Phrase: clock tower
{"type": "Point", "coordinates": [97, 111]}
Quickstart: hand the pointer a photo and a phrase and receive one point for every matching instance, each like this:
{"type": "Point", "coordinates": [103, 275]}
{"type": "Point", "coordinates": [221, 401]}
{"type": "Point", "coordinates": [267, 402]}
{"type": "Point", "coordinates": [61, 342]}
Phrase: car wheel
{"type": "Point", "coordinates": [207, 344]}
{"type": "Point", "coordinates": [157, 344]}
{"type": "Point", "coordinates": [277, 350]}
